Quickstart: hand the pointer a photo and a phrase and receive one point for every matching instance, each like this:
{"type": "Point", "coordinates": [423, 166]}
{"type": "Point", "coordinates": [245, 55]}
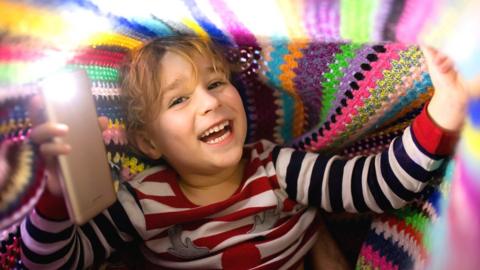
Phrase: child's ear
{"type": "Point", "coordinates": [147, 146]}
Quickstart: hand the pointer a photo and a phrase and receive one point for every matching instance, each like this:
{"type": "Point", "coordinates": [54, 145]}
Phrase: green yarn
{"type": "Point", "coordinates": [413, 217]}
{"type": "Point", "coordinates": [362, 264]}
{"type": "Point", "coordinates": [99, 73]}
{"type": "Point", "coordinates": [379, 97]}
{"type": "Point", "coordinates": [357, 19]}
{"type": "Point", "coordinates": [331, 80]}
{"type": "Point", "coordinates": [18, 73]}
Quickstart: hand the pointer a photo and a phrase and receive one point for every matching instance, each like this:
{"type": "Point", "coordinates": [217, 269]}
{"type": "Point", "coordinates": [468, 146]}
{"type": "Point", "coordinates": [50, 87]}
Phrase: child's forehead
{"type": "Point", "coordinates": [173, 58]}
{"type": "Point", "coordinates": [174, 63]}
{"type": "Point", "coordinates": [177, 68]}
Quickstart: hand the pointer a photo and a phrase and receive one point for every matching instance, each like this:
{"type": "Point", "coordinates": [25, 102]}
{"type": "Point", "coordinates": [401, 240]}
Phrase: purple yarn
{"type": "Point", "coordinates": [309, 76]}
{"type": "Point", "coordinates": [239, 32]}
{"type": "Point", "coordinates": [322, 20]}
{"type": "Point", "coordinates": [310, 18]}
{"type": "Point", "coordinates": [328, 20]}
{"type": "Point", "coordinates": [381, 19]}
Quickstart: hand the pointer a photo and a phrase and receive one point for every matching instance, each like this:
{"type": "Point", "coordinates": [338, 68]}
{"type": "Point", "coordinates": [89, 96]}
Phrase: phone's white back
{"type": "Point", "coordinates": [87, 182]}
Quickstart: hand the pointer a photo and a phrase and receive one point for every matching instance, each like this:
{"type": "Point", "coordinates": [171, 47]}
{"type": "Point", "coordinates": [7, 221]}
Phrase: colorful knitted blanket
{"type": "Point", "coordinates": [328, 76]}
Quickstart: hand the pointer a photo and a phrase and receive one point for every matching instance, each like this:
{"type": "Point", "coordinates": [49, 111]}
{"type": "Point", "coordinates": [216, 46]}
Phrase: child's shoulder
{"type": "Point", "coordinates": [263, 149]}
{"type": "Point", "coordinates": [261, 145]}
{"type": "Point", "coordinates": [154, 176]}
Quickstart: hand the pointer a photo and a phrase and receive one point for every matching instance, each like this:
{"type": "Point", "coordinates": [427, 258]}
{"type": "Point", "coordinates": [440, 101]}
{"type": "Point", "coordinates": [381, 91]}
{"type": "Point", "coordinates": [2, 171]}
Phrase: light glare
{"type": "Point", "coordinates": [60, 87]}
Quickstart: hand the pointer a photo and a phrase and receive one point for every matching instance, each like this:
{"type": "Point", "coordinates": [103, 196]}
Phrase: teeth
{"type": "Point", "coordinates": [214, 129]}
{"type": "Point", "coordinates": [219, 139]}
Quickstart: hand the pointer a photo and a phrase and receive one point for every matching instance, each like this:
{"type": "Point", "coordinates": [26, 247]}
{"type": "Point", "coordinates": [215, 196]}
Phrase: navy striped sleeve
{"type": "Point", "coordinates": [293, 171]}
{"type": "Point", "coordinates": [38, 258]}
{"type": "Point", "coordinates": [104, 234]}
{"type": "Point", "coordinates": [374, 187]}
{"type": "Point", "coordinates": [356, 187]}
{"type": "Point", "coordinates": [378, 183]}
{"type": "Point", "coordinates": [316, 181]}
{"type": "Point", "coordinates": [98, 249]}
{"type": "Point", "coordinates": [335, 178]}
{"type": "Point", "coordinates": [393, 182]}
{"type": "Point", "coordinates": [42, 236]}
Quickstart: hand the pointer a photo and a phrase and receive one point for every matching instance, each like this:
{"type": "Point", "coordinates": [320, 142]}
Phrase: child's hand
{"type": "Point", "coordinates": [473, 87]}
{"type": "Point", "coordinates": [449, 102]}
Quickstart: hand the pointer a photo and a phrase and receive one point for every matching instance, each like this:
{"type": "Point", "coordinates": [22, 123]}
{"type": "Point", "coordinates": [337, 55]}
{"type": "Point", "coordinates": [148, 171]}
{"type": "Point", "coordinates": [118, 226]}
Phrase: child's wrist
{"type": "Point", "coordinates": [52, 206]}
{"type": "Point", "coordinates": [447, 113]}
{"type": "Point", "coordinates": [433, 138]}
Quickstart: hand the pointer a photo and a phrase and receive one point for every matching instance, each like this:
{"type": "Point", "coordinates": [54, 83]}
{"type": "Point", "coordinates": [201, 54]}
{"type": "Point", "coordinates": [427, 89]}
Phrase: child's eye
{"type": "Point", "coordinates": [215, 84]}
{"type": "Point", "coordinates": [177, 101]}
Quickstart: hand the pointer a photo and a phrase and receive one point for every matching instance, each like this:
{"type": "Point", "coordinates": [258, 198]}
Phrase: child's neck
{"type": "Point", "coordinates": [208, 189]}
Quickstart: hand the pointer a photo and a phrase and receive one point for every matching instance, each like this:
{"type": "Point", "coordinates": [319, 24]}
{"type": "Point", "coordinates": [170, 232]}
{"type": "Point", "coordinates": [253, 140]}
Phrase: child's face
{"type": "Point", "coordinates": [201, 125]}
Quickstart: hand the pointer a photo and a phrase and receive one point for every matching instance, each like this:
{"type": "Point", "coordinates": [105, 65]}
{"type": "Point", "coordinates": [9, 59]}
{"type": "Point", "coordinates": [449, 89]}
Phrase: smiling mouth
{"type": "Point", "coordinates": [217, 133]}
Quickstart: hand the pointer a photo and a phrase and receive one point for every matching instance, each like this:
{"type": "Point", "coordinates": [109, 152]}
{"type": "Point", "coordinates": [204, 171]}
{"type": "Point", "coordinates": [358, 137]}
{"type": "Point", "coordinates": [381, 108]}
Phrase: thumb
{"type": "Point", "coordinates": [429, 54]}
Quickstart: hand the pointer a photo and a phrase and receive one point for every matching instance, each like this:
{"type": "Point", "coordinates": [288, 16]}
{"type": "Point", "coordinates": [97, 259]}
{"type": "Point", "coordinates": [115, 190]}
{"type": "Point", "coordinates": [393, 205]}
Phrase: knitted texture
{"type": "Point", "coordinates": [307, 79]}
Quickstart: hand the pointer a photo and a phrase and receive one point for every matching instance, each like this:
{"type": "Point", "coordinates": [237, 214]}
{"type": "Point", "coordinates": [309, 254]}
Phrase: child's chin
{"type": "Point", "coordinates": [229, 158]}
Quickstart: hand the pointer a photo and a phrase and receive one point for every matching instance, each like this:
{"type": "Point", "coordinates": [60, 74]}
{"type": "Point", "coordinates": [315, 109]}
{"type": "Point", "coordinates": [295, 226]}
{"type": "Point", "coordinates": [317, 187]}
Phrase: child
{"type": "Point", "coordinates": [218, 203]}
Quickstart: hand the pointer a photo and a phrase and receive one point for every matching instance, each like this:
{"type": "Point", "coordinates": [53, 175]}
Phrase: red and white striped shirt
{"type": "Point", "coordinates": [269, 222]}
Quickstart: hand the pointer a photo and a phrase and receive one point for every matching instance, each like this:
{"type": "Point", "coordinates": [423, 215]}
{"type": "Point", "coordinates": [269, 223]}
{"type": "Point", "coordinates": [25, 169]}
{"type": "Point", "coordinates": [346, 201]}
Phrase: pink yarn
{"type": "Point", "coordinates": [376, 260]}
{"type": "Point", "coordinates": [360, 95]}
{"type": "Point", "coordinates": [414, 18]}
{"type": "Point", "coordinates": [464, 222]}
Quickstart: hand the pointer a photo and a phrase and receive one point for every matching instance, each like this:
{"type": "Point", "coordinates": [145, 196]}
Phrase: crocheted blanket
{"type": "Point", "coordinates": [326, 76]}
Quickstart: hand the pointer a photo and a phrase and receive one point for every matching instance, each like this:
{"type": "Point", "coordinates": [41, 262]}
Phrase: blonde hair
{"type": "Point", "coordinates": [140, 76]}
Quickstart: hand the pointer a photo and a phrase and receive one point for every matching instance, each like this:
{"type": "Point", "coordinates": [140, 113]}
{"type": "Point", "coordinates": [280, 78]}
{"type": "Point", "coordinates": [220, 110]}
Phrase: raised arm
{"type": "Point", "coordinates": [397, 175]}
{"type": "Point", "coordinates": [379, 182]}
{"type": "Point", "coordinates": [51, 241]}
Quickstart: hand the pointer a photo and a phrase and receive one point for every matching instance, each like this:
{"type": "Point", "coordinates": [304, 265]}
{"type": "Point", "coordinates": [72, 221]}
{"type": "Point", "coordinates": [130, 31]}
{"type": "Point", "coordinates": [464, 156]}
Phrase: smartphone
{"type": "Point", "coordinates": [87, 181]}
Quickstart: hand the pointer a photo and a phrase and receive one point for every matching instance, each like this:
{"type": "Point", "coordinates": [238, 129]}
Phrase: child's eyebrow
{"type": "Point", "coordinates": [173, 85]}
{"type": "Point", "coordinates": [212, 69]}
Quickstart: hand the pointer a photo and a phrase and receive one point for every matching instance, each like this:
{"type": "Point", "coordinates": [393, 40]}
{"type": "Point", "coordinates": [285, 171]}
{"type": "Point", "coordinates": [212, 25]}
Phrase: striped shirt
{"type": "Point", "coordinates": [269, 223]}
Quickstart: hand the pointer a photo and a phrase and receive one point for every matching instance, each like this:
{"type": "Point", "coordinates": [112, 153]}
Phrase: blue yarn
{"type": "Point", "coordinates": [288, 117]}
{"type": "Point", "coordinates": [412, 94]}
{"type": "Point", "coordinates": [216, 34]}
{"type": "Point", "coordinates": [435, 199]}
{"type": "Point", "coordinates": [156, 26]}
{"type": "Point", "coordinates": [474, 112]}
{"type": "Point", "coordinates": [134, 27]}
{"type": "Point", "coordinates": [110, 107]}
{"type": "Point", "coordinates": [58, 4]}
{"type": "Point", "coordinates": [389, 249]}
{"type": "Point", "coordinates": [280, 49]}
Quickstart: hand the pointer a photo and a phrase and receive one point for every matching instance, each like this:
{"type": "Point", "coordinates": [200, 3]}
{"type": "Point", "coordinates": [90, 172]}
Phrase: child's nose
{"type": "Point", "coordinates": [208, 101]}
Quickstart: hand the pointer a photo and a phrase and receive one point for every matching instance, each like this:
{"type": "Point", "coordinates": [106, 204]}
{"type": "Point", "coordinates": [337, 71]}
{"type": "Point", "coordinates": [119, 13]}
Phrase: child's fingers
{"type": "Point", "coordinates": [446, 65]}
{"type": "Point", "coordinates": [436, 59]}
{"type": "Point", "coordinates": [440, 58]}
{"type": "Point", "coordinates": [52, 149]}
{"type": "Point", "coordinates": [427, 54]}
{"type": "Point", "coordinates": [44, 132]}
{"type": "Point", "coordinates": [103, 122]}
{"type": "Point", "coordinates": [443, 62]}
